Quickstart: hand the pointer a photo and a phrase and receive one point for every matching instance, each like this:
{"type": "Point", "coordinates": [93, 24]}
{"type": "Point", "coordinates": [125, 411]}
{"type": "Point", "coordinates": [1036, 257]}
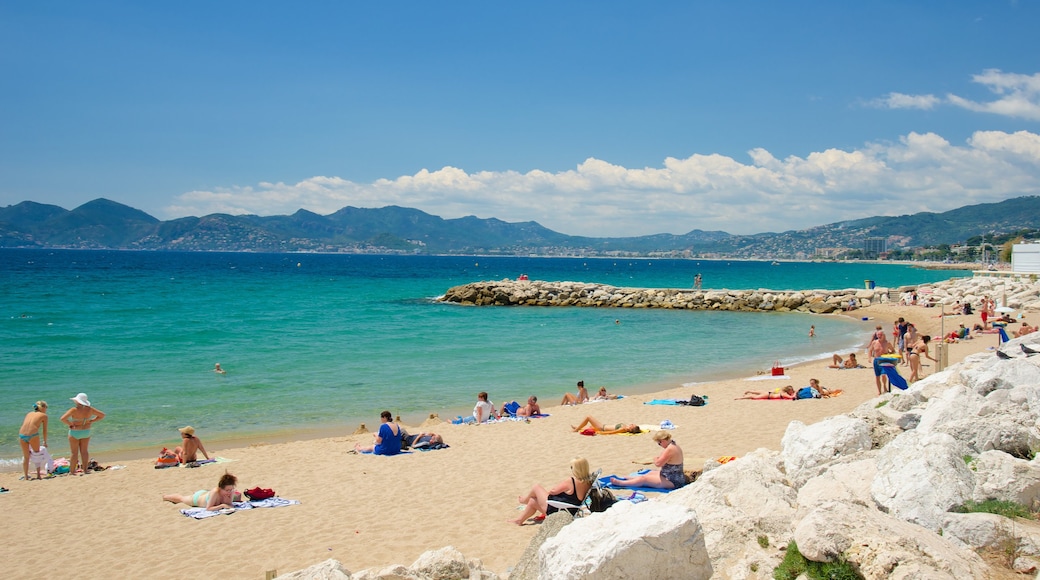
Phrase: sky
{"type": "Point", "coordinates": [596, 118]}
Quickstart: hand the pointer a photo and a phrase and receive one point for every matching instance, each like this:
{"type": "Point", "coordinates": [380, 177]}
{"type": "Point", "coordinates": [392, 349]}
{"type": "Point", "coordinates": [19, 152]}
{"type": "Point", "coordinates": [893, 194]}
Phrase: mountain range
{"type": "Point", "coordinates": [105, 224]}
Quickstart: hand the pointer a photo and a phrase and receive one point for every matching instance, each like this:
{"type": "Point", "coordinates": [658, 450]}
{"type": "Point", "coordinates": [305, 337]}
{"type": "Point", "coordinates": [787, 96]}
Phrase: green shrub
{"type": "Point", "coordinates": [795, 564]}
{"type": "Point", "coordinates": [1008, 509]}
{"type": "Point", "coordinates": [763, 541]}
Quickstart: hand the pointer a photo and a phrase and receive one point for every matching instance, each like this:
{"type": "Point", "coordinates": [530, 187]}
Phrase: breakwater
{"type": "Point", "coordinates": [539, 293]}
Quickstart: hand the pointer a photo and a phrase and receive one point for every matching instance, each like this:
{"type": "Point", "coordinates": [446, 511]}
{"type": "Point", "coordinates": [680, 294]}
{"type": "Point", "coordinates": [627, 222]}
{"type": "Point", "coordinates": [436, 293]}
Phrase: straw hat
{"type": "Point", "coordinates": [81, 399]}
{"type": "Point", "coordinates": [189, 430]}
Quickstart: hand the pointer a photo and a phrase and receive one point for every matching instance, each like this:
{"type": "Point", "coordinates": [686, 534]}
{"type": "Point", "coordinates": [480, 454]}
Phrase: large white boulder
{"type": "Point", "coordinates": [736, 503]}
{"type": "Point", "coordinates": [1003, 477]}
{"type": "Point", "coordinates": [808, 450]}
{"type": "Point", "coordinates": [881, 546]}
{"type": "Point", "coordinates": [846, 483]}
{"type": "Point", "coordinates": [328, 570]}
{"type": "Point", "coordinates": [921, 476]}
{"type": "Point", "coordinates": [644, 540]}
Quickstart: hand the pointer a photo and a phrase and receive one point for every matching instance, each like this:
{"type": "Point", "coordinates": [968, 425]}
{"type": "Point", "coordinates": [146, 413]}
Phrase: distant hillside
{"type": "Point", "coordinates": [106, 224]}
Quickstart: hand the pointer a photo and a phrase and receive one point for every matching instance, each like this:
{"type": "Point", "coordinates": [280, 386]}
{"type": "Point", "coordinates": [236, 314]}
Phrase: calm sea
{"type": "Point", "coordinates": [317, 342]}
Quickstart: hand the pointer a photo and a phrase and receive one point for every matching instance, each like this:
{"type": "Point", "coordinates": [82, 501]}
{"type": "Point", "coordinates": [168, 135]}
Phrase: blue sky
{"type": "Point", "coordinates": [592, 118]}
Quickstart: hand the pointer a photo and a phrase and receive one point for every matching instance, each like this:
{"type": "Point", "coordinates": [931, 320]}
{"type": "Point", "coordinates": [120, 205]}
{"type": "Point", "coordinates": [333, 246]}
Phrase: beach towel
{"type": "Point", "coordinates": [203, 513]}
{"type": "Point", "coordinates": [662, 402]}
{"type": "Point", "coordinates": [433, 447]}
{"type": "Point", "coordinates": [512, 408]}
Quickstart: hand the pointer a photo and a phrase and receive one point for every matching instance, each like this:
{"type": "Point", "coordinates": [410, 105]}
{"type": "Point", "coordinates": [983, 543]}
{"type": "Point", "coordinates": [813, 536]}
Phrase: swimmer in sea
{"type": "Point", "coordinates": [218, 370]}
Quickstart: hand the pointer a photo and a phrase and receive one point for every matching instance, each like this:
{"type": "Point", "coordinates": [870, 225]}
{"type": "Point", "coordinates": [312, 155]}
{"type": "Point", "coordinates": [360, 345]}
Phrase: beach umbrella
{"type": "Point", "coordinates": [1003, 309]}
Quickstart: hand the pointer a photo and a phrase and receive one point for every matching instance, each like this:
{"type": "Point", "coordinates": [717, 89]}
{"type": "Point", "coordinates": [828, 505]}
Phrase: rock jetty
{"type": "Point", "coordinates": [539, 293]}
{"type": "Point", "coordinates": [1013, 293]}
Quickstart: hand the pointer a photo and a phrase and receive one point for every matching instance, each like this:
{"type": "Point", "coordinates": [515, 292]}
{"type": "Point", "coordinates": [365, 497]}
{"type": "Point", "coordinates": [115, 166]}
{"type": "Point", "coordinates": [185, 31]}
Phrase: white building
{"type": "Point", "coordinates": [1025, 258]}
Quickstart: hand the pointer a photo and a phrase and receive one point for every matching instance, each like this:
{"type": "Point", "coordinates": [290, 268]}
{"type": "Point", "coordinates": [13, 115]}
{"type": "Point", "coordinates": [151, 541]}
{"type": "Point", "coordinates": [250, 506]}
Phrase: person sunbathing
{"type": "Point", "coordinates": [784, 393]}
{"type": "Point", "coordinates": [605, 430]}
{"type": "Point", "coordinates": [824, 391]}
{"type": "Point", "coordinates": [603, 396]}
{"type": "Point", "coordinates": [221, 497]}
{"type": "Point", "coordinates": [425, 439]}
{"type": "Point", "coordinates": [670, 461]}
{"type": "Point", "coordinates": [849, 363]}
{"type": "Point", "coordinates": [570, 491]}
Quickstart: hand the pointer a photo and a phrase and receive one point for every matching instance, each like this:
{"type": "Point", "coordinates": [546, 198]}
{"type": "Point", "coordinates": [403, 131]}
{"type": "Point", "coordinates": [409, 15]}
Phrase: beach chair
{"type": "Point", "coordinates": [578, 510]}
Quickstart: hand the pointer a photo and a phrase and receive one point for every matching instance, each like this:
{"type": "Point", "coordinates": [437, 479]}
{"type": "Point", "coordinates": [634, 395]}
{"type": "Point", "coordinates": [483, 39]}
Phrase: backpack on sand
{"type": "Point", "coordinates": [600, 499]}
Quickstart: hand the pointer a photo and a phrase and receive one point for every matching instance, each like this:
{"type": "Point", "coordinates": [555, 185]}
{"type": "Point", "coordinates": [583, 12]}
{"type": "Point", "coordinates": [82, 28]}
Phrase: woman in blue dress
{"type": "Point", "coordinates": [387, 439]}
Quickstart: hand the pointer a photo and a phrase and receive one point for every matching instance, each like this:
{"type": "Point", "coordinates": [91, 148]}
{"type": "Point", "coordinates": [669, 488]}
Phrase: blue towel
{"type": "Point", "coordinates": [512, 408]}
{"type": "Point", "coordinates": [662, 402]}
{"type": "Point", "coordinates": [605, 482]}
{"type": "Point", "coordinates": [1003, 335]}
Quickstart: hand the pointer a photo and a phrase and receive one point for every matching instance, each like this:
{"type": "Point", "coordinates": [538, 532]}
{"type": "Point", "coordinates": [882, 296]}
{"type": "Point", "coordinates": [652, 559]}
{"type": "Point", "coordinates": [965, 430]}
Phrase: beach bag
{"type": "Point", "coordinates": [166, 459]}
{"type": "Point", "coordinates": [807, 393]}
{"type": "Point", "coordinates": [696, 401]}
{"type": "Point", "coordinates": [258, 493]}
{"type": "Point", "coordinates": [778, 371]}
{"type": "Point", "coordinates": [600, 499]}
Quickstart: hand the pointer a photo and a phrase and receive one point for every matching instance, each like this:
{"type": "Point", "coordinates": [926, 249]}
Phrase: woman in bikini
{"type": "Point", "coordinates": [604, 429]}
{"type": "Point", "coordinates": [80, 419]}
{"type": "Point", "coordinates": [29, 434]}
{"type": "Point", "coordinates": [221, 497]}
{"type": "Point", "coordinates": [779, 394]}
{"type": "Point", "coordinates": [918, 348]}
{"type": "Point", "coordinates": [571, 490]}
{"type": "Point", "coordinates": [670, 461]}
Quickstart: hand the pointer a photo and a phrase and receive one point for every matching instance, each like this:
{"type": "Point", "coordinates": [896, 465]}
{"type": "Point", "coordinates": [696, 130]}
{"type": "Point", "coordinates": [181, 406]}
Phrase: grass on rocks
{"type": "Point", "coordinates": [795, 564]}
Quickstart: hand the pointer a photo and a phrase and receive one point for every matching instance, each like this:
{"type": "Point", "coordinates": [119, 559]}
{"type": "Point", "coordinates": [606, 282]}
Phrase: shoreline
{"type": "Point", "coordinates": [122, 453]}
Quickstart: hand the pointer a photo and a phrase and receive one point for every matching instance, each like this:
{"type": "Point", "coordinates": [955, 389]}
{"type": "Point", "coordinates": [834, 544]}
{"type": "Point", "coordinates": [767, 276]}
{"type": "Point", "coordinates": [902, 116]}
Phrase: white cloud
{"type": "Point", "coordinates": [921, 172]}
{"type": "Point", "coordinates": [901, 101]}
{"type": "Point", "coordinates": [1019, 95]}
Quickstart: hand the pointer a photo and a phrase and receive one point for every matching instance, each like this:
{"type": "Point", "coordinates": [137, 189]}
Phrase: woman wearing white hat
{"type": "Point", "coordinates": [79, 419]}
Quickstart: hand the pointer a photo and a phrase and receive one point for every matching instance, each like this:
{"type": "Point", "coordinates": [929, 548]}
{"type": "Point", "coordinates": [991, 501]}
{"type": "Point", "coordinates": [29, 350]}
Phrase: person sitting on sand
{"type": "Point", "coordinates": [779, 394]}
{"type": "Point", "coordinates": [222, 497]}
{"type": "Point", "coordinates": [484, 410]}
{"type": "Point", "coordinates": [29, 435]}
{"type": "Point", "coordinates": [571, 491]}
{"type": "Point", "coordinates": [670, 461]}
{"type": "Point", "coordinates": [849, 363]}
{"type": "Point", "coordinates": [188, 450]}
{"type": "Point", "coordinates": [387, 439]}
{"type": "Point", "coordinates": [604, 430]}
{"type": "Point", "coordinates": [603, 396]}
{"type": "Point", "coordinates": [581, 397]}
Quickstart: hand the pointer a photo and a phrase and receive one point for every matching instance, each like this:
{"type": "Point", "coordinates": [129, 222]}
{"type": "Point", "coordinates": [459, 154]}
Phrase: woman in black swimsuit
{"type": "Point", "coordinates": [916, 350]}
{"type": "Point", "coordinates": [571, 490]}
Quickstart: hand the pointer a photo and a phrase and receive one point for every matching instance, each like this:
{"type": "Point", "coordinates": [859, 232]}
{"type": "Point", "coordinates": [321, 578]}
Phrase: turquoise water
{"type": "Point", "coordinates": [315, 341]}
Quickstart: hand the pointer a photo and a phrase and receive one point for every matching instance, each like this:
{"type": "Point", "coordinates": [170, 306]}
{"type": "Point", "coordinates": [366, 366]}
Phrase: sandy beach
{"type": "Point", "coordinates": [368, 511]}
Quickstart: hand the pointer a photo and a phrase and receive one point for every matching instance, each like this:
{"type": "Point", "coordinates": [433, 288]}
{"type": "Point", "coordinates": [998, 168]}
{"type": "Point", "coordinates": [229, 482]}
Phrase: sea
{"type": "Point", "coordinates": [315, 344]}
